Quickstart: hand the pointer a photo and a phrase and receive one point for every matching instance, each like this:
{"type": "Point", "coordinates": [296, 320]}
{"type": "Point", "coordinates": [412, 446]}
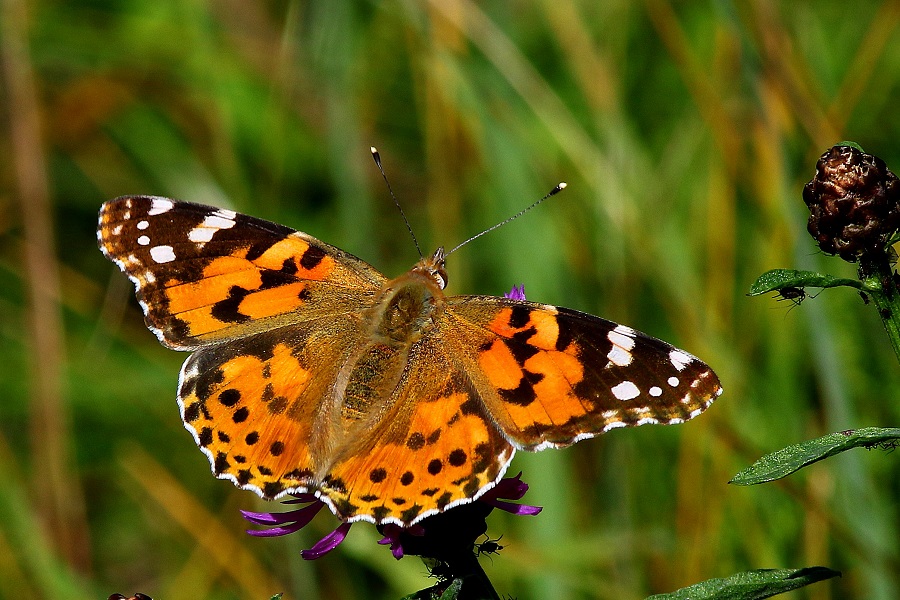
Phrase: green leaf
{"type": "Point", "coordinates": [750, 585]}
{"type": "Point", "coordinates": [787, 460]}
{"type": "Point", "coordinates": [435, 593]}
{"type": "Point", "coordinates": [452, 590]}
{"type": "Point", "coordinates": [778, 279]}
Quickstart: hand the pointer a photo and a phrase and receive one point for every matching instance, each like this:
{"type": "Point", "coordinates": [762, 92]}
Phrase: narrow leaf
{"type": "Point", "coordinates": [778, 279]}
{"type": "Point", "coordinates": [787, 460]}
{"type": "Point", "coordinates": [751, 585]}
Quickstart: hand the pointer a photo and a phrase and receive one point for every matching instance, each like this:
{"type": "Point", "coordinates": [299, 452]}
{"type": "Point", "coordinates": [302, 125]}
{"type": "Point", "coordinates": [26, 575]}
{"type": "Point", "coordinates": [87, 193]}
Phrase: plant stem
{"type": "Point", "coordinates": [878, 278]}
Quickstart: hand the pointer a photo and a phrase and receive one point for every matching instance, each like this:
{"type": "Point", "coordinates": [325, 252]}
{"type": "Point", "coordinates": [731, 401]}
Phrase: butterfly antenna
{"type": "Point", "coordinates": [559, 187]}
{"type": "Point", "coordinates": [377, 158]}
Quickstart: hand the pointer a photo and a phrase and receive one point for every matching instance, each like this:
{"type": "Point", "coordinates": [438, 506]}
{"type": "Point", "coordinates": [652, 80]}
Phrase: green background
{"type": "Point", "coordinates": [685, 132]}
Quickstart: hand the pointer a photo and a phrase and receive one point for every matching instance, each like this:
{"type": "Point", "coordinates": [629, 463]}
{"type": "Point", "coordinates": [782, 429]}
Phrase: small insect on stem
{"type": "Point", "coordinates": [489, 546]}
{"type": "Point", "coordinates": [796, 295]}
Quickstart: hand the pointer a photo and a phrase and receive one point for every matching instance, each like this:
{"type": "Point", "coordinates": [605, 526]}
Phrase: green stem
{"type": "Point", "coordinates": [878, 278]}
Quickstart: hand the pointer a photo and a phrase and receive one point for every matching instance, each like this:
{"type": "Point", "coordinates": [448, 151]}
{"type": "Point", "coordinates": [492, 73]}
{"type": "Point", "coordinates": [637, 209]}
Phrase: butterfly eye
{"type": "Point", "coordinates": [440, 275]}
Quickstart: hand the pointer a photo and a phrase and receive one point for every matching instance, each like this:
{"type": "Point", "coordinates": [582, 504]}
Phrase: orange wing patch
{"type": "Point", "coordinates": [437, 448]}
{"type": "Point", "coordinates": [256, 407]}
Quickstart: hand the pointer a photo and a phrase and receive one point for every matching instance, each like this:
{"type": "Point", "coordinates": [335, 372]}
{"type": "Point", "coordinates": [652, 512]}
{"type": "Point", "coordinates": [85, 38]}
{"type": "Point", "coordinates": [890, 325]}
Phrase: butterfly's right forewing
{"type": "Point", "coordinates": [551, 376]}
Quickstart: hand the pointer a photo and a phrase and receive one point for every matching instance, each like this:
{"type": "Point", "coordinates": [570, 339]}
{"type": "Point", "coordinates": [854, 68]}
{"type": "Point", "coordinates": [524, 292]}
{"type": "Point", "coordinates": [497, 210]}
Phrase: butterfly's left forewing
{"type": "Point", "coordinates": [551, 376]}
{"type": "Point", "coordinates": [206, 275]}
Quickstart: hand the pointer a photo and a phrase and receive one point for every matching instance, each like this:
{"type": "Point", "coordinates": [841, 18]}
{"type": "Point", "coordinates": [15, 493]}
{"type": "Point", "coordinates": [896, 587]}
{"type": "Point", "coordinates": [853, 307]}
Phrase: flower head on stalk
{"type": "Point", "coordinates": [435, 537]}
{"type": "Point", "coordinates": [516, 293]}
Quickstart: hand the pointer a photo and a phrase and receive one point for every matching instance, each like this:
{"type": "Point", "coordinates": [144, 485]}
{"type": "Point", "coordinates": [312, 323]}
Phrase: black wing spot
{"type": "Point", "coordinates": [458, 458]}
{"type": "Point", "coordinates": [206, 437]}
{"type": "Point", "coordinates": [228, 310]}
{"type": "Point", "coordinates": [416, 441]}
{"type": "Point", "coordinates": [312, 257]}
{"type": "Point", "coordinates": [377, 475]}
{"type": "Point", "coordinates": [519, 316]}
{"type": "Point", "coordinates": [230, 397]}
{"type": "Point", "coordinates": [240, 415]}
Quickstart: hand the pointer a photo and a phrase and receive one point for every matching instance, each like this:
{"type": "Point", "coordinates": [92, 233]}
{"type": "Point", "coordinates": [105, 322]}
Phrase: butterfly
{"type": "Point", "coordinates": [389, 400]}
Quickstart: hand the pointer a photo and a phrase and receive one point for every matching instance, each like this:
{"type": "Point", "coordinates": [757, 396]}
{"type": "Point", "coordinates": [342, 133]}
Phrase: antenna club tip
{"type": "Point", "coordinates": [373, 150]}
{"type": "Point", "coordinates": [559, 187]}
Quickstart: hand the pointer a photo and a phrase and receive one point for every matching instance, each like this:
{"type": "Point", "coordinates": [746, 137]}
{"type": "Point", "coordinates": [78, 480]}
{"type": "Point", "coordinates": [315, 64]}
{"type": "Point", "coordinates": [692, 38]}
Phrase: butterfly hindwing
{"type": "Point", "coordinates": [204, 274]}
{"type": "Point", "coordinates": [259, 406]}
{"type": "Point", "coordinates": [436, 446]}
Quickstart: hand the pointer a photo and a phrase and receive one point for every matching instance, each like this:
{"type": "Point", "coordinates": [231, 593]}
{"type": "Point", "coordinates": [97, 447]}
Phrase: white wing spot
{"type": "Point", "coordinates": [647, 421]}
{"type": "Point", "coordinates": [620, 339]}
{"type": "Point", "coordinates": [117, 230]}
{"type": "Point", "coordinates": [162, 254]}
{"type": "Point", "coordinates": [622, 344]}
{"type": "Point", "coordinates": [143, 225]}
{"type": "Point", "coordinates": [149, 277]}
{"type": "Point", "coordinates": [673, 381]}
{"type": "Point", "coordinates": [656, 391]}
{"type": "Point", "coordinates": [626, 391]}
{"type": "Point", "coordinates": [160, 205]}
{"type": "Point", "coordinates": [613, 425]}
{"type": "Point", "coordinates": [619, 356]}
{"type": "Point", "coordinates": [143, 240]}
{"type": "Point", "coordinates": [680, 359]}
{"type": "Point", "coordinates": [625, 330]}
{"type": "Point", "coordinates": [211, 224]}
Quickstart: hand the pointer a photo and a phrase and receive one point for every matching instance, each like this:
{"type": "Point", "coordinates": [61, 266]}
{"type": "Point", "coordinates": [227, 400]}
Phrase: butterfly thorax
{"type": "Point", "coordinates": [406, 309]}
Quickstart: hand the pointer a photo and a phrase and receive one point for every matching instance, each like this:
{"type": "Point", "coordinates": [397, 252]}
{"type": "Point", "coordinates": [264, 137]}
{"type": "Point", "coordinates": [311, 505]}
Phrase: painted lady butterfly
{"type": "Point", "coordinates": [313, 372]}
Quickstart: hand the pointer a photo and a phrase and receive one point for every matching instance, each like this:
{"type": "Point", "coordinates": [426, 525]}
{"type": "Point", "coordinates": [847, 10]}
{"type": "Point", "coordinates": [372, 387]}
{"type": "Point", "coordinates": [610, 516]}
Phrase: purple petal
{"type": "Point", "coordinates": [525, 510]}
{"type": "Point", "coordinates": [327, 543]}
{"type": "Point", "coordinates": [516, 293]}
{"type": "Point", "coordinates": [512, 488]}
{"type": "Point", "coordinates": [392, 534]}
{"type": "Point", "coordinates": [296, 519]}
{"type": "Point", "coordinates": [274, 531]}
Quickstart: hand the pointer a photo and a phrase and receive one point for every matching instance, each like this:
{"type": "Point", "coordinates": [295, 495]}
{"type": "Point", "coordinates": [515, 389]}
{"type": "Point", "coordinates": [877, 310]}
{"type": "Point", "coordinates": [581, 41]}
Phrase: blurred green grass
{"type": "Point", "coordinates": [685, 132]}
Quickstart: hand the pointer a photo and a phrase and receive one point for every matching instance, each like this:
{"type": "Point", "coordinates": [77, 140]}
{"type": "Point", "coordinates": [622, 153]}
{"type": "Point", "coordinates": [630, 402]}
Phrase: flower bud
{"type": "Point", "coordinates": [854, 203]}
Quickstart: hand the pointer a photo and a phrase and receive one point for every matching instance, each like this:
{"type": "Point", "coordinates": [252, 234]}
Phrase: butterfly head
{"type": "Point", "coordinates": [433, 268]}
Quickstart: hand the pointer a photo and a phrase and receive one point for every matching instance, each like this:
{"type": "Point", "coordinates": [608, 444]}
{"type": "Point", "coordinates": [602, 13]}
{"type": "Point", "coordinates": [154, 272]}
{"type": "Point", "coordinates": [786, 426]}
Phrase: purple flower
{"type": "Point", "coordinates": [294, 520]}
{"type": "Point", "coordinates": [392, 533]}
{"type": "Point", "coordinates": [512, 488]}
{"type": "Point", "coordinates": [516, 293]}
{"type": "Point", "coordinates": [461, 525]}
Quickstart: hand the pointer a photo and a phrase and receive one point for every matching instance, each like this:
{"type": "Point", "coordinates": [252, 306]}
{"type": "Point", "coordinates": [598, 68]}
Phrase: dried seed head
{"type": "Point", "coordinates": [854, 203]}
